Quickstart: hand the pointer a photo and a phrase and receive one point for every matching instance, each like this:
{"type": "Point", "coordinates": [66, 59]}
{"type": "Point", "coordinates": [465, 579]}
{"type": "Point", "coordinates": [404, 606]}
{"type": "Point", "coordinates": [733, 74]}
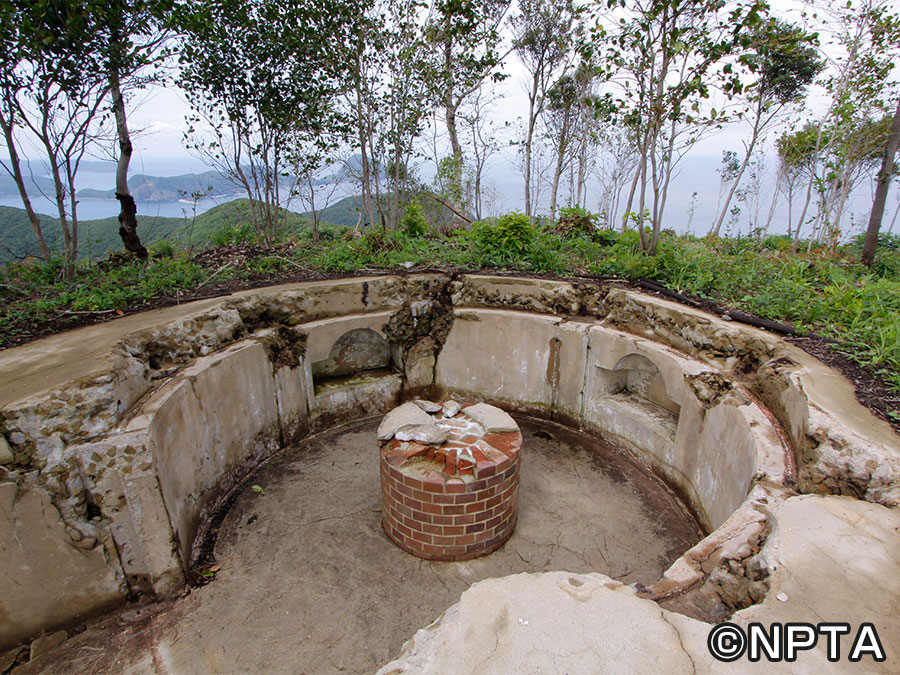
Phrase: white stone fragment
{"type": "Point", "coordinates": [428, 406]}
{"type": "Point", "coordinates": [782, 597]}
{"type": "Point", "coordinates": [451, 407]}
{"type": "Point", "coordinates": [494, 420]}
{"type": "Point", "coordinates": [6, 456]}
{"type": "Point", "coordinates": [428, 434]}
{"type": "Point", "coordinates": [408, 414]}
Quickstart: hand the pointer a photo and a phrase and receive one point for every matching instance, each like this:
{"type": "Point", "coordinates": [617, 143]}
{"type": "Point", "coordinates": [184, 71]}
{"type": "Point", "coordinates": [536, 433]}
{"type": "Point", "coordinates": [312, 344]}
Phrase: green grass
{"type": "Point", "coordinates": [830, 295]}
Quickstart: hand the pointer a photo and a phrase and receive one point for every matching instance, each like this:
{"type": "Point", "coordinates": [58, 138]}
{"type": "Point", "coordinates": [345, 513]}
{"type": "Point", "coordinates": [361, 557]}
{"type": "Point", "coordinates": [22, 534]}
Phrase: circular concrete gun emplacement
{"type": "Point", "coordinates": [449, 478]}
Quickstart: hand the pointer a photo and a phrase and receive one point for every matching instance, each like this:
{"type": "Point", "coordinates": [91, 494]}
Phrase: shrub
{"type": "Point", "coordinates": [413, 223]}
{"type": "Point", "coordinates": [511, 236]}
{"type": "Point", "coordinates": [575, 221]}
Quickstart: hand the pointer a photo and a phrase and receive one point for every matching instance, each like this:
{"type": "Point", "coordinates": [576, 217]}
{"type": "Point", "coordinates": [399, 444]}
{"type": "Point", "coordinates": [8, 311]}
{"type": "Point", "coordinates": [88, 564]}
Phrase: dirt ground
{"type": "Point", "coordinates": [309, 583]}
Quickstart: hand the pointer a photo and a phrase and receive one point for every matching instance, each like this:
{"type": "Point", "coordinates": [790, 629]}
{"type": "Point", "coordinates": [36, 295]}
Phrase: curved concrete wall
{"type": "Point", "coordinates": [164, 420]}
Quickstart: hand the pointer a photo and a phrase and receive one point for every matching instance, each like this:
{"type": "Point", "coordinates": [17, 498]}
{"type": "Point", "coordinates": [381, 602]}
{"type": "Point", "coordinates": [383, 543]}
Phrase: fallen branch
{"type": "Point", "coordinates": [209, 278]}
{"type": "Point", "coordinates": [72, 312]}
{"type": "Point", "coordinates": [291, 262]}
{"type": "Point", "coordinates": [444, 203]}
{"type": "Point", "coordinates": [709, 305]}
{"type": "Point", "coordinates": [14, 288]}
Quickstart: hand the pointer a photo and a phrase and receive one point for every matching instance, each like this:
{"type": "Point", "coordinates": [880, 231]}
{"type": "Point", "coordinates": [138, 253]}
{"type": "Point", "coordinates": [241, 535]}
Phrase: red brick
{"type": "Point", "coordinates": [403, 489]}
{"type": "Point", "coordinates": [432, 529]}
{"type": "Point", "coordinates": [455, 485]}
{"type": "Point", "coordinates": [403, 529]}
{"type": "Point", "coordinates": [475, 507]}
{"type": "Point", "coordinates": [453, 530]}
{"type": "Point", "coordinates": [475, 527]}
{"type": "Point", "coordinates": [493, 501]}
{"type": "Point", "coordinates": [432, 508]}
{"type": "Point", "coordinates": [421, 537]}
{"type": "Point", "coordinates": [464, 519]}
{"type": "Point", "coordinates": [443, 499]}
{"type": "Point", "coordinates": [413, 504]}
{"type": "Point", "coordinates": [450, 464]}
{"type": "Point", "coordinates": [477, 485]}
{"type": "Point", "coordinates": [422, 496]}
{"type": "Point", "coordinates": [443, 520]}
{"type": "Point", "coordinates": [466, 498]}
{"type": "Point", "coordinates": [485, 468]}
{"type": "Point", "coordinates": [445, 541]}
{"type": "Point", "coordinates": [454, 509]}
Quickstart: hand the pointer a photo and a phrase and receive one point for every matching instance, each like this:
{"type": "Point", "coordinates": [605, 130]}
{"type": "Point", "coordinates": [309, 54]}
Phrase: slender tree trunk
{"type": "Point", "coordinates": [16, 171]}
{"type": "Point", "coordinates": [70, 247]}
{"type": "Point", "coordinates": [560, 164]}
{"type": "Point", "coordinates": [737, 179]}
{"type": "Point", "coordinates": [634, 184]}
{"type": "Point", "coordinates": [529, 140]}
{"type": "Point", "coordinates": [128, 214]}
{"type": "Point", "coordinates": [881, 190]}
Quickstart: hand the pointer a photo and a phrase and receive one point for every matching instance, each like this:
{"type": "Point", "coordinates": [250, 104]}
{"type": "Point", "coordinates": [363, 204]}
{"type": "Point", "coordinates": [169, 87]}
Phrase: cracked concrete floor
{"type": "Point", "coordinates": [309, 583]}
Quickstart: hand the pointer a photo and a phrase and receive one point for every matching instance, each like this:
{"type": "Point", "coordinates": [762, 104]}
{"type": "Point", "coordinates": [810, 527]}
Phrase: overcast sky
{"type": "Point", "coordinates": [159, 115]}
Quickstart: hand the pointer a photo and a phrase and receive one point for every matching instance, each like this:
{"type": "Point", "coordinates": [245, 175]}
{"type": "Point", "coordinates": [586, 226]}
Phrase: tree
{"type": "Point", "coordinates": [128, 36]}
{"type": "Point", "coordinates": [53, 90]}
{"type": "Point", "coordinates": [866, 44]}
{"type": "Point", "coordinates": [785, 61]}
{"type": "Point", "coordinates": [465, 36]}
{"type": "Point", "coordinates": [662, 57]}
{"type": "Point", "coordinates": [884, 179]}
{"type": "Point", "coordinates": [543, 41]}
{"type": "Point", "coordinates": [263, 76]}
{"type": "Point", "coordinates": [566, 102]}
{"type": "Point", "coordinates": [10, 88]}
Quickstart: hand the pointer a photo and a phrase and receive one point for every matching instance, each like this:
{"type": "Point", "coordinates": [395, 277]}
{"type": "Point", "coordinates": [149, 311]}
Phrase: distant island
{"type": "Point", "coordinates": [146, 188]}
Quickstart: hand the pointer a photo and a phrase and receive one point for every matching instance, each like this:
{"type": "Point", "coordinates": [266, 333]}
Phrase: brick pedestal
{"type": "Point", "coordinates": [450, 493]}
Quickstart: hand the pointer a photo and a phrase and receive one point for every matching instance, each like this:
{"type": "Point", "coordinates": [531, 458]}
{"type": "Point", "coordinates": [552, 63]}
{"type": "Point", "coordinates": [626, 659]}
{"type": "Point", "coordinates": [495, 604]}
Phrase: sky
{"type": "Point", "coordinates": [158, 119]}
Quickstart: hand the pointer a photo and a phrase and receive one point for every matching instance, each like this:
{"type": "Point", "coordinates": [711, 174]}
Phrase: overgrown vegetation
{"type": "Point", "coordinates": [817, 291]}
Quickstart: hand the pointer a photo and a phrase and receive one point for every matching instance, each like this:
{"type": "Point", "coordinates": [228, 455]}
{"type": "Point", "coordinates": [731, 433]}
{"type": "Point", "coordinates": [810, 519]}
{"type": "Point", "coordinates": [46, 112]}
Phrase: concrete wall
{"type": "Point", "coordinates": [126, 463]}
{"type": "Point", "coordinates": [628, 389]}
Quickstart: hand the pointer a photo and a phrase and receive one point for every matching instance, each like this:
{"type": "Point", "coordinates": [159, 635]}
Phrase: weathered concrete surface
{"type": "Point", "coordinates": [65, 397]}
{"type": "Point", "coordinates": [84, 352]}
{"type": "Point", "coordinates": [35, 548]}
{"type": "Point", "coordinates": [215, 417]}
{"type": "Point", "coordinates": [558, 622]}
{"type": "Point", "coordinates": [480, 358]}
{"type": "Point", "coordinates": [308, 582]}
{"type": "Point", "coordinates": [830, 559]}
{"type": "Point", "coordinates": [408, 414]}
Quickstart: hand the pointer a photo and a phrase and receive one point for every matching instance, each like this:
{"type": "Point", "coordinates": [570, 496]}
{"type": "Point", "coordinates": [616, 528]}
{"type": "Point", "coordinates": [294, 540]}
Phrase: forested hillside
{"type": "Point", "coordinates": [222, 223]}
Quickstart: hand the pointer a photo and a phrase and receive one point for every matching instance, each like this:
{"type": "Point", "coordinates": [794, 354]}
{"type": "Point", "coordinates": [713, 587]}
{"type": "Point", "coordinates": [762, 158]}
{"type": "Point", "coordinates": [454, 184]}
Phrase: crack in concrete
{"type": "Point", "coordinates": [662, 615]}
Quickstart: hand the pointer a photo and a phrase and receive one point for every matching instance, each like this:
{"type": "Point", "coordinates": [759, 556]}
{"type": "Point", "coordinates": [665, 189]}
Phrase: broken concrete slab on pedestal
{"type": "Point", "coordinates": [494, 420]}
{"type": "Point", "coordinates": [429, 434]}
{"type": "Point", "coordinates": [408, 414]}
